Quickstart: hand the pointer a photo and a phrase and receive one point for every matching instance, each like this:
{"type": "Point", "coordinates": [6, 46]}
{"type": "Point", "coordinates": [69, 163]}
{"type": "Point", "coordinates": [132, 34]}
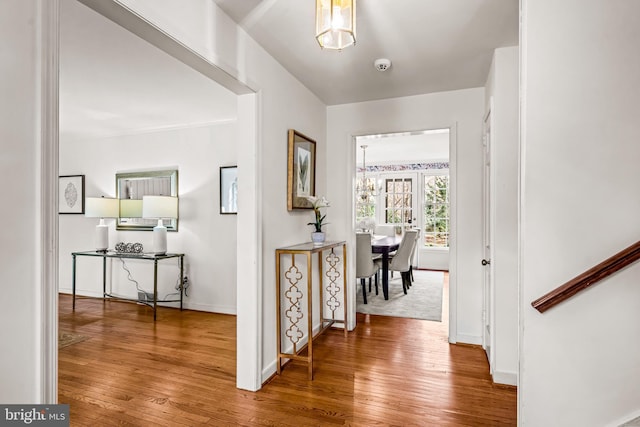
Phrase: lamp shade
{"type": "Point", "coordinates": [159, 207]}
{"type": "Point", "coordinates": [335, 23]}
{"type": "Point", "coordinates": [101, 207]}
{"type": "Point", "coordinates": [130, 208]}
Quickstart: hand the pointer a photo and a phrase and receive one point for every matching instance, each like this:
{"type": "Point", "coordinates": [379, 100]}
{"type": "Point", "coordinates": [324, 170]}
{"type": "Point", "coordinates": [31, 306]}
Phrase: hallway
{"type": "Point", "coordinates": [181, 371]}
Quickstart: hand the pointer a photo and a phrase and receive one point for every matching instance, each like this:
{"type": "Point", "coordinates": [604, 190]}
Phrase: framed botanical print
{"type": "Point", "coordinates": [71, 194]}
{"type": "Point", "coordinates": [301, 170]}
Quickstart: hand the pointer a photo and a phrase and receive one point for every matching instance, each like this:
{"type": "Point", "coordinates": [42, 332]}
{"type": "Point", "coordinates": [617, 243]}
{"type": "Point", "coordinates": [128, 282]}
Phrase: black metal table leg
{"type": "Point", "coordinates": [73, 281]}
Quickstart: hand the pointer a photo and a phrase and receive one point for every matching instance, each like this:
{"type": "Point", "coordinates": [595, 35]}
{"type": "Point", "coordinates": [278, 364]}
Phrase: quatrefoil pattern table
{"type": "Point", "coordinates": [295, 268]}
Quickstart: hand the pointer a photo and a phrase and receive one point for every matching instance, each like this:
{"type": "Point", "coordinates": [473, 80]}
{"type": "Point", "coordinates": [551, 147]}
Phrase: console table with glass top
{"type": "Point", "coordinates": [122, 255]}
{"type": "Point", "coordinates": [293, 295]}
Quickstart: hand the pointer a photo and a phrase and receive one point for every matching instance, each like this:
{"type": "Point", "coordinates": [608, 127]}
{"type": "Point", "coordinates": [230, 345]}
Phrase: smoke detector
{"type": "Point", "coordinates": [382, 64]}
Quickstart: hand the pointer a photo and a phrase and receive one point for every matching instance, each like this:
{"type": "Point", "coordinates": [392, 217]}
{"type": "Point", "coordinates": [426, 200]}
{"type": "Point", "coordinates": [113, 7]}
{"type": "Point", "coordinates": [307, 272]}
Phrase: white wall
{"type": "Point", "coordinates": [22, 245]}
{"type": "Point", "coordinates": [580, 205]}
{"type": "Point", "coordinates": [207, 238]}
{"type": "Point", "coordinates": [503, 88]}
{"type": "Point", "coordinates": [462, 110]}
{"type": "Point", "coordinates": [283, 103]}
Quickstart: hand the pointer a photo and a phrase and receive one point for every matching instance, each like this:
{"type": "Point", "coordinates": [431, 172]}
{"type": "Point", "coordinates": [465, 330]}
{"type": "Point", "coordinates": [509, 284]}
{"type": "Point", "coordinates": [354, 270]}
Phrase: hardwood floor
{"type": "Point", "coordinates": [180, 370]}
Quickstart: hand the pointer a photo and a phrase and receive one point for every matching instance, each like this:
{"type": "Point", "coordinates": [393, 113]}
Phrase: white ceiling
{"type": "Point", "coordinates": [403, 148]}
{"type": "Point", "coordinates": [434, 45]}
{"type": "Point", "coordinates": [113, 83]}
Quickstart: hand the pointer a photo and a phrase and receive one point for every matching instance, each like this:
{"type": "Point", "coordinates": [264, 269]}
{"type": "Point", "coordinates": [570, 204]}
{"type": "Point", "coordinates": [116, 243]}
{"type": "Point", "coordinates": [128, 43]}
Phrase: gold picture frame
{"type": "Point", "coordinates": [301, 170]}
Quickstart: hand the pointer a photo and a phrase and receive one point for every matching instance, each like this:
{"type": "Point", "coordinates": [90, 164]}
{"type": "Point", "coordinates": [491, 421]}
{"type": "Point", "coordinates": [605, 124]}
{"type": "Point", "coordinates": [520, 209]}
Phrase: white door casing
{"type": "Point", "coordinates": [487, 243]}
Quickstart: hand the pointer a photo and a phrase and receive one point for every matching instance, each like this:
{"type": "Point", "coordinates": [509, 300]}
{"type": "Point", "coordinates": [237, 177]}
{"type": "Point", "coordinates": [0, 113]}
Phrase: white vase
{"type": "Point", "coordinates": [317, 237]}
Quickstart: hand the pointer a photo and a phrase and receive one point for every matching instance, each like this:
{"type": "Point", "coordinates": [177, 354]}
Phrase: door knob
{"type": "Point", "coordinates": [486, 262]}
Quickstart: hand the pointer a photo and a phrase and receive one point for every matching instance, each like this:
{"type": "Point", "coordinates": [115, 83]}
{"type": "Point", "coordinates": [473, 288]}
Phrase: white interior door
{"type": "Point", "coordinates": [488, 215]}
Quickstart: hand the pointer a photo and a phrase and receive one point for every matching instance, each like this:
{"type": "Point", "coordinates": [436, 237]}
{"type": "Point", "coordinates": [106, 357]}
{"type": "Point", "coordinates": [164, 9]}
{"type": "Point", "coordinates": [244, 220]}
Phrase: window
{"type": "Point", "coordinates": [436, 211]}
{"type": "Point", "coordinates": [399, 201]}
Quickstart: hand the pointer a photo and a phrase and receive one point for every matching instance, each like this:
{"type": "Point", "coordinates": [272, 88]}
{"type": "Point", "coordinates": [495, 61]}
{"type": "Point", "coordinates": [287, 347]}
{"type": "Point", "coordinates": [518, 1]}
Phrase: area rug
{"type": "Point", "coordinates": [423, 299]}
{"type": "Point", "coordinates": [66, 339]}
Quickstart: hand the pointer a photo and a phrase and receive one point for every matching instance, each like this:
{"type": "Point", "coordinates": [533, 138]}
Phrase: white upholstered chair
{"type": "Point", "coordinates": [401, 261]}
{"type": "Point", "coordinates": [412, 257]}
{"type": "Point", "coordinates": [385, 230]}
{"type": "Point", "coordinates": [366, 265]}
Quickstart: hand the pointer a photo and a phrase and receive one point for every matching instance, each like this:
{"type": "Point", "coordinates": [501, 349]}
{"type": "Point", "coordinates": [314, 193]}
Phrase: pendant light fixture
{"type": "Point", "coordinates": [335, 23]}
{"type": "Point", "coordinates": [365, 189]}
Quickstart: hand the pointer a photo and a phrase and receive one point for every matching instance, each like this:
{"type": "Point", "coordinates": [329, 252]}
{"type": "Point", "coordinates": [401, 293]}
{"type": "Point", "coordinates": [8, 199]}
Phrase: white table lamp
{"type": "Point", "coordinates": [159, 207]}
{"type": "Point", "coordinates": [102, 207]}
{"type": "Point", "coordinates": [130, 208]}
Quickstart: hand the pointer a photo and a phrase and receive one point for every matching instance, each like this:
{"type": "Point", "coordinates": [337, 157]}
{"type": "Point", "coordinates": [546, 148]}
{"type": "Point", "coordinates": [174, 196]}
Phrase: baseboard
{"type": "Point", "coordinates": [468, 339]}
{"type": "Point", "coordinates": [188, 305]}
{"type": "Point", "coordinates": [271, 369]}
{"type": "Point", "coordinates": [220, 309]}
{"type": "Point", "coordinates": [623, 420]}
{"type": "Point", "coordinates": [626, 419]}
{"type": "Point", "coordinates": [269, 372]}
{"type": "Point", "coordinates": [507, 378]}
{"type": "Point", "coordinates": [92, 294]}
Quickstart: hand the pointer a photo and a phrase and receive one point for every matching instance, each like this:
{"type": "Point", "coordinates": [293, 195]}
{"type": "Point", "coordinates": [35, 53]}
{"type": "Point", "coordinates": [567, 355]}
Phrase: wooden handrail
{"type": "Point", "coordinates": [593, 275]}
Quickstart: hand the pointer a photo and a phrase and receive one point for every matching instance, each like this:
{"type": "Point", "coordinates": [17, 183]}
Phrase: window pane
{"type": "Point", "coordinates": [436, 210]}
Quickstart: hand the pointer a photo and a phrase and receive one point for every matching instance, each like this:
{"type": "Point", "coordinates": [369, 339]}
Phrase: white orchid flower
{"type": "Point", "coordinates": [318, 202]}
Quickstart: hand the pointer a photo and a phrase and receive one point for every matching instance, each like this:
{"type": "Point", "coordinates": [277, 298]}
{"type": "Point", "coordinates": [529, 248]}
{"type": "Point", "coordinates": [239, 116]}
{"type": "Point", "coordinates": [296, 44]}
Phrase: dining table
{"type": "Point", "coordinates": [384, 245]}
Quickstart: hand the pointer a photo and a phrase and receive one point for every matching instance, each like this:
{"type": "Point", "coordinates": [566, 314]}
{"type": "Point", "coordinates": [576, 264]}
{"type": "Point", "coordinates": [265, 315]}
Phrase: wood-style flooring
{"type": "Point", "coordinates": [180, 371]}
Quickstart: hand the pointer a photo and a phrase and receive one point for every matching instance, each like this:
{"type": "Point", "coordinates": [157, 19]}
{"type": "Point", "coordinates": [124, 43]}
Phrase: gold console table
{"type": "Point", "coordinates": [293, 296]}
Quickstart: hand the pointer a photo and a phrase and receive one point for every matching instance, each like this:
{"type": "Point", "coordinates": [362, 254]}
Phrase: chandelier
{"type": "Point", "coordinates": [365, 188]}
{"type": "Point", "coordinates": [335, 23]}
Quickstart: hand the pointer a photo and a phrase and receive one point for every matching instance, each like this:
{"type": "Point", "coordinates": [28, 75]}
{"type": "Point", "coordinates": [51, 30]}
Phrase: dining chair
{"type": "Point", "coordinates": [401, 262]}
{"type": "Point", "coordinates": [366, 265]}
{"type": "Point", "coordinates": [385, 230]}
{"type": "Point", "coordinates": [412, 257]}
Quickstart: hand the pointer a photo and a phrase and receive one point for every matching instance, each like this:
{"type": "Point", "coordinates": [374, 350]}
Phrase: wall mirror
{"type": "Point", "coordinates": [229, 190]}
{"type": "Point", "coordinates": [131, 186]}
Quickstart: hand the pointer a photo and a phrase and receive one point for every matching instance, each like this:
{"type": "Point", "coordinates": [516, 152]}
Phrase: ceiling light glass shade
{"type": "Point", "coordinates": [335, 23]}
{"type": "Point", "coordinates": [101, 207]}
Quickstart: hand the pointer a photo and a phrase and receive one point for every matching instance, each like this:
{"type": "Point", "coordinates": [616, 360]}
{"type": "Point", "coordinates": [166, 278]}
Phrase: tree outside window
{"type": "Point", "coordinates": [436, 211]}
{"type": "Point", "coordinates": [399, 201]}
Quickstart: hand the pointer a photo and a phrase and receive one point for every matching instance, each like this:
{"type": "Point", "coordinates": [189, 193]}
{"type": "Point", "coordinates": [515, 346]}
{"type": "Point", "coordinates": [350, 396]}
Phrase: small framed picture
{"type": "Point", "coordinates": [229, 190]}
{"type": "Point", "coordinates": [71, 194]}
{"type": "Point", "coordinates": [301, 170]}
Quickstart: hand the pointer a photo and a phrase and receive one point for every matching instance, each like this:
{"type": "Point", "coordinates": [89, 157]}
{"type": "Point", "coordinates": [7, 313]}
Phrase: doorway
{"type": "Point", "coordinates": [248, 373]}
{"type": "Point", "coordinates": [408, 185]}
{"type": "Point", "coordinates": [402, 180]}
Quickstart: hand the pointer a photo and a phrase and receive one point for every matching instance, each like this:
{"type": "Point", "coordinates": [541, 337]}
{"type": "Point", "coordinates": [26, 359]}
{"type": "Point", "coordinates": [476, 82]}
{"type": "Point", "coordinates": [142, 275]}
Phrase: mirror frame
{"type": "Point", "coordinates": [140, 224]}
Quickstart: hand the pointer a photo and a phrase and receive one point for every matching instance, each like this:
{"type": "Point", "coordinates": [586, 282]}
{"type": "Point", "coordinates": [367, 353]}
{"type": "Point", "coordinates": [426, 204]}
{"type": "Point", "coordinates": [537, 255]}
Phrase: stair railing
{"type": "Point", "coordinates": [590, 277]}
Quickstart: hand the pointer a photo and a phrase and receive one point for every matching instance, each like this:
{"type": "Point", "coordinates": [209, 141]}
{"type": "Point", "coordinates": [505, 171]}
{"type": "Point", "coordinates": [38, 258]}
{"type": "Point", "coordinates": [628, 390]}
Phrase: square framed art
{"type": "Point", "coordinates": [71, 194]}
